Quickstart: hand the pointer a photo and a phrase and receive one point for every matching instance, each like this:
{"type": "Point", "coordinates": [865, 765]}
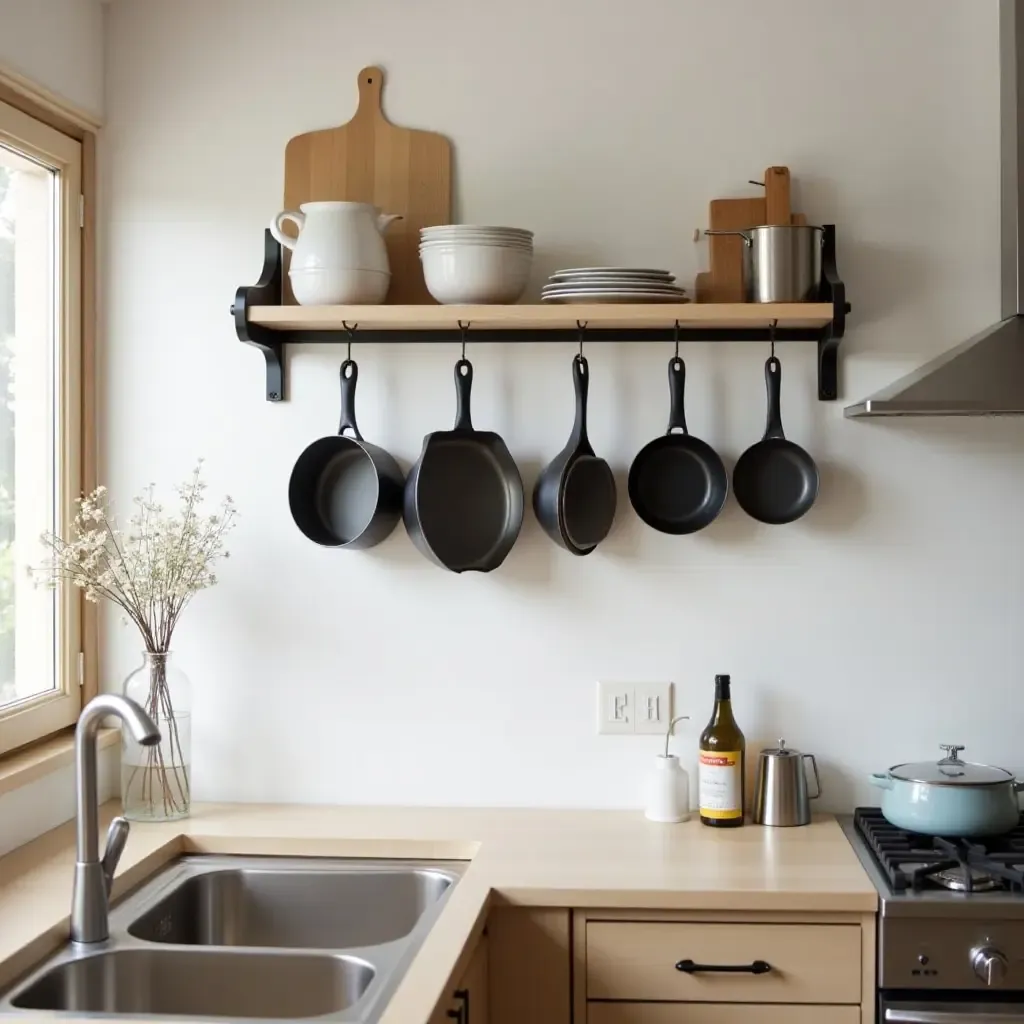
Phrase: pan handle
{"type": "Point", "coordinates": [748, 239]}
{"type": "Point", "coordinates": [463, 389]}
{"type": "Point", "coordinates": [676, 388]}
{"type": "Point", "coordinates": [349, 376]}
{"type": "Point", "coordinates": [773, 381]}
{"type": "Point", "coordinates": [581, 380]}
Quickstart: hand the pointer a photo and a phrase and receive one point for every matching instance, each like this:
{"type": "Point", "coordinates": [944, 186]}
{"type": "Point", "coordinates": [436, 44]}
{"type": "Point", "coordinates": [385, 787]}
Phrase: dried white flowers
{"type": "Point", "coordinates": [154, 570]}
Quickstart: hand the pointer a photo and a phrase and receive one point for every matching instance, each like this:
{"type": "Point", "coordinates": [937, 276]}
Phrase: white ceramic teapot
{"type": "Point", "coordinates": [339, 256]}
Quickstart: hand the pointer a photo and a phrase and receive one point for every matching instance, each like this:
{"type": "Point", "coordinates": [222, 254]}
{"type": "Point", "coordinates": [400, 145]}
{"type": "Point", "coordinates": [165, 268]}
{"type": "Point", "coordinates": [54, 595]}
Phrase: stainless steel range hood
{"type": "Point", "coordinates": [985, 375]}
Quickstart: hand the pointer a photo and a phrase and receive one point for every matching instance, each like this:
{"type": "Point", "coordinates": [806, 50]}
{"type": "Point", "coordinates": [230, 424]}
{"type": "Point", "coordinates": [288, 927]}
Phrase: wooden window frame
{"type": "Point", "coordinates": [80, 658]}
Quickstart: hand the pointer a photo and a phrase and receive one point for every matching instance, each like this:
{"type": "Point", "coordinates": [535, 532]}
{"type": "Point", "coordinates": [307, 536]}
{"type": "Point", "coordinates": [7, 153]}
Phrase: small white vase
{"type": "Point", "coordinates": [668, 791]}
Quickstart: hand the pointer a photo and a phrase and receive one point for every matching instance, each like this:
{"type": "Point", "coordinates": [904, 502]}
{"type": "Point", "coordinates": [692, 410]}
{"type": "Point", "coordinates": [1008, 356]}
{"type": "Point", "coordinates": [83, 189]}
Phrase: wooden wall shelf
{"type": "Point", "coordinates": [690, 315]}
{"type": "Point", "coordinates": [262, 321]}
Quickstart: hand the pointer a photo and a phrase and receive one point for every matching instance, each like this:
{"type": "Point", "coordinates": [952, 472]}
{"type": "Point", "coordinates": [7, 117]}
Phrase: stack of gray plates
{"type": "Point", "coordinates": [612, 284]}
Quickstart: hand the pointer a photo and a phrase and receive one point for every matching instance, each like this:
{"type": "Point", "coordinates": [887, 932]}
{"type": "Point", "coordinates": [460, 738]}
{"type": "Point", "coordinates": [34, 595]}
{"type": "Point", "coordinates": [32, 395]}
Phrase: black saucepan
{"type": "Point", "coordinates": [464, 496]}
{"type": "Point", "coordinates": [345, 492]}
{"type": "Point", "coordinates": [677, 482]}
{"type": "Point", "coordinates": [775, 480]}
{"type": "Point", "coordinates": [574, 497]}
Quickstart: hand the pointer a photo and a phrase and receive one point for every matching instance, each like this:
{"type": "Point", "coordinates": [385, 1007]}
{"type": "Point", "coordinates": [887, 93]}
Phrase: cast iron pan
{"type": "Point", "coordinates": [464, 496]}
{"type": "Point", "coordinates": [775, 480]}
{"type": "Point", "coordinates": [677, 482]}
{"type": "Point", "coordinates": [345, 492]}
{"type": "Point", "coordinates": [574, 497]}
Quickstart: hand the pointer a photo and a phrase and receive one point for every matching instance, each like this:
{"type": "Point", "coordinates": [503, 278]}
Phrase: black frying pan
{"type": "Point", "coordinates": [775, 480]}
{"type": "Point", "coordinates": [345, 492]}
{"type": "Point", "coordinates": [574, 497]}
{"type": "Point", "coordinates": [464, 496]}
{"type": "Point", "coordinates": [677, 482]}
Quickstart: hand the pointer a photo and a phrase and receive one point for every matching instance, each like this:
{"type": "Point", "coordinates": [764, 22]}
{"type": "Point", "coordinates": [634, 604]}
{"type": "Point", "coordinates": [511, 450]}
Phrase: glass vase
{"type": "Point", "coordinates": [155, 781]}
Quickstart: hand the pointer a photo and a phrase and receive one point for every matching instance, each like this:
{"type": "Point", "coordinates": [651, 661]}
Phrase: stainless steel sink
{"type": "Point", "coordinates": [250, 938]}
{"type": "Point", "coordinates": [254, 906]}
{"type": "Point", "coordinates": [145, 981]}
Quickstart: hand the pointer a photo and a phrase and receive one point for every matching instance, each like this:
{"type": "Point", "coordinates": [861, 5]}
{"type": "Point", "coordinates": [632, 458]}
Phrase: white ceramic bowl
{"type": "Point", "coordinates": [487, 274]}
{"type": "Point", "coordinates": [425, 246]}
{"type": "Point", "coordinates": [339, 287]}
{"type": "Point", "coordinates": [452, 230]}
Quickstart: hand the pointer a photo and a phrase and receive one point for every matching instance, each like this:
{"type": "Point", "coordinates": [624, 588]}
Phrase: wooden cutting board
{"type": "Point", "coordinates": [776, 196]}
{"type": "Point", "coordinates": [370, 160]}
{"type": "Point", "coordinates": [724, 281]}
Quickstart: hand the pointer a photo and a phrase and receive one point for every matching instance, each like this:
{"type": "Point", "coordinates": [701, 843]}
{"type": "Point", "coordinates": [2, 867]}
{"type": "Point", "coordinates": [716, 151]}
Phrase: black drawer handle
{"type": "Point", "coordinates": [691, 967]}
{"type": "Point", "coordinates": [461, 1015]}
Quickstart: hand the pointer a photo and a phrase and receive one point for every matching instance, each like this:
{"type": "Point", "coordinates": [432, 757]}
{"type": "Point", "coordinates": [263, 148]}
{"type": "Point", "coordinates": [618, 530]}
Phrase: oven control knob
{"type": "Point", "coordinates": [989, 964]}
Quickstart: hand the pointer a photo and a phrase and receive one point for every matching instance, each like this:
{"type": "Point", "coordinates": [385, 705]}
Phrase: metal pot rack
{"type": "Point", "coordinates": [272, 338]}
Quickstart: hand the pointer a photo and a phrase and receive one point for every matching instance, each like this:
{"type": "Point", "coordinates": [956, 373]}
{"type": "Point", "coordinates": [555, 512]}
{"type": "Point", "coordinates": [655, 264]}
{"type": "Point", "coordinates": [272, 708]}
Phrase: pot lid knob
{"type": "Point", "coordinates": [952, 752]}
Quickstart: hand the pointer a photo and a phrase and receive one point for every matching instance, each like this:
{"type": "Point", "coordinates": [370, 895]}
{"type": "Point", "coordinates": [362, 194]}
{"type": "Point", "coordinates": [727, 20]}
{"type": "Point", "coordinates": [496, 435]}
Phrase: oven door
{"type": "Point", "coordinates": [943, 1012]}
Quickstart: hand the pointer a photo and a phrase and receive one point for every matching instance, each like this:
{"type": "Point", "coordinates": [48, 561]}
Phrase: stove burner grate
{"type": "Point", "coordinates": [912, 861]}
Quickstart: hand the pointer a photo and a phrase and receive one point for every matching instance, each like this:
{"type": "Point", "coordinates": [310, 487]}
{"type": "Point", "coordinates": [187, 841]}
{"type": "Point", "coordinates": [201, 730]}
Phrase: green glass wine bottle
{"type": "Point", "coordinates": [721, 767]}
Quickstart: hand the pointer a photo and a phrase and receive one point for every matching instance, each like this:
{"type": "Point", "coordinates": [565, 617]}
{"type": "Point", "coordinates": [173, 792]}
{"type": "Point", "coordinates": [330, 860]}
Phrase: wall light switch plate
{"type": "Point", "coordinates": [652, 707]}
{"type": "Point", "coordinates": [614, 707]}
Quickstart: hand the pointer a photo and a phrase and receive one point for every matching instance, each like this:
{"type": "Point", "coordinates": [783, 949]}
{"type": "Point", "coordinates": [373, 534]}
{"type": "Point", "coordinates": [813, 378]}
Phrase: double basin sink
{"type": "Point", "coordinates": [250, 937]}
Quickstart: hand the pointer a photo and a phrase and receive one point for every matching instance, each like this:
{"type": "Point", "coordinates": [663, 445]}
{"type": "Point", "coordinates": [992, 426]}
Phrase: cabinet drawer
{"type": "Point", "coordinates": [809, 963]}
{"type": "Point", "coordinates": [670, 1013]}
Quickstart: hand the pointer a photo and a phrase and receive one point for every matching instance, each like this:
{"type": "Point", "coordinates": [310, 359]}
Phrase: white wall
{"type": "Point", "coordinates": [58, 44]}
{"type": "Point", "coordinates": [875, 629]}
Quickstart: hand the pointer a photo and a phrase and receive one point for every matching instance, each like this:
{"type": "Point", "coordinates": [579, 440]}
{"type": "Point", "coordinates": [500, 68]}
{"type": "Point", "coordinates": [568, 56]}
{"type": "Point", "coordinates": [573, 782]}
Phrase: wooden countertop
{"type": "Point", "coordinates": [524, 857]}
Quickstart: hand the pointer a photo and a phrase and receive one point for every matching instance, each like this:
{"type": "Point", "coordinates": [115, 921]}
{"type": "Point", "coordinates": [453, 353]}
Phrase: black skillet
{"type": "Point", "coordinates": [574, 497]}
{"type": "Point", "coordinates": [464, 496]}
{"type": "Point", "coordinates": [677, 482]}
{"type": "Point", "coordinates": [345, 492]}
{"type": "Point", "coordinates": [775, 480]}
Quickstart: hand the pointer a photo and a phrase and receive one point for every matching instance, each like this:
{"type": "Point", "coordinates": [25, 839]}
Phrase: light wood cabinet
{"type": "Point", "coordinates": [469, 1001]}
{"type": "Point", "coordinates": [722, 1013]}
{"type": "Point", "coordinates": [803, 963]}
{"type": "Point", "coordinates": [531, 965]}
{"type": "Point", "coordinates": [631, 967]}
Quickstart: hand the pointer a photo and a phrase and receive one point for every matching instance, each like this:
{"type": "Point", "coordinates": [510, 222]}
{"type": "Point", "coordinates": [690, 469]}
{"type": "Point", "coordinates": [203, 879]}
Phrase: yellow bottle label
{"type": "Point", "coordinates": [720, 784]}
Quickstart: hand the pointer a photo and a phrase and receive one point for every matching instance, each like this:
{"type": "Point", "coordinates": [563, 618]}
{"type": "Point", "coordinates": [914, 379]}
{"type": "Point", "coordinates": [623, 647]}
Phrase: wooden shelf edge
{"type": "Point", "coordinates": [525, 317]}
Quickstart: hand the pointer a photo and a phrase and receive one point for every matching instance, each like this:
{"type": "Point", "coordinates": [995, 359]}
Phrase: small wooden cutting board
{"type": "Point", "coordinates": [370, 160]}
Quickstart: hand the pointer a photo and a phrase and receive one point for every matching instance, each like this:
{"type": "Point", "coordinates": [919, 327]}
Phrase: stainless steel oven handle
{"type": "Point", "coordinates": [969, 1015]}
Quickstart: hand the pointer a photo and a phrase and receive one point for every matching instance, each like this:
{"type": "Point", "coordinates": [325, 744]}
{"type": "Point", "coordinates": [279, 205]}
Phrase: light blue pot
{"type": "Point", "coordinates": [950, 810]}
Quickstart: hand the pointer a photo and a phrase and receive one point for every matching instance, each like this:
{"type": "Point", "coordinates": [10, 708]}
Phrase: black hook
{"type": "Point", "coordinates": [675, 337]}
{"type": "Point", "coordinates": [463, 328]}
{"type": "Point", "coordinates": [771, 335]}
{"type": "Point", "coordinates": [351, 332]}
{"type": "Point", "coordinates": [581, 326]}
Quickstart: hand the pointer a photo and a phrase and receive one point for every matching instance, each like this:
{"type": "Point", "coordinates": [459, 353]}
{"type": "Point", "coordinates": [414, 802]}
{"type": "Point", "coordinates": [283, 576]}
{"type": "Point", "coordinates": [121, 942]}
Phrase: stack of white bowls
{"type": "Point", "coordinates": [467, 263]}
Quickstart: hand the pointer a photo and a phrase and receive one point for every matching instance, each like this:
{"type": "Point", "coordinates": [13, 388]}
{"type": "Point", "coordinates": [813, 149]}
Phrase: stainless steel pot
{"type": "Point", "coordinates": [950, 797]}
{"type": "Point", "coordinates": [781, 262]}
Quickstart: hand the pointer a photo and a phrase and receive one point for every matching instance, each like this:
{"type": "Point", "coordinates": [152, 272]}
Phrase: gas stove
{"type": "Point", "coordinates": [950, 922]}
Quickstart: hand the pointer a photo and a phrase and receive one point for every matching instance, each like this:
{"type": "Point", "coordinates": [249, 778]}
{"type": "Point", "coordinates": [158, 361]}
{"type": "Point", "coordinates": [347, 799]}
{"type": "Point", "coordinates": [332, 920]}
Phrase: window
{"type": "Point", "coordinates": [40, 420]}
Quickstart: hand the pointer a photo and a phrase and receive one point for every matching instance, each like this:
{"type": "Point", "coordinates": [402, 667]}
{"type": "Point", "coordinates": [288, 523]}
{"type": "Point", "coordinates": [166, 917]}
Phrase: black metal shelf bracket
{"type": "Point", "coordinates": [268, 292]}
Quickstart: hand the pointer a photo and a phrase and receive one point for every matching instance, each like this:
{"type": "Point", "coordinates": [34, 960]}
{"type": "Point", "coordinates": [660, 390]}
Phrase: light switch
{"type": "Point", "coordinates": [653, 707]}
{"type": "Point", "coordinates": [633, 707]}
{"type": "Point", "coordinates": [614, 707]}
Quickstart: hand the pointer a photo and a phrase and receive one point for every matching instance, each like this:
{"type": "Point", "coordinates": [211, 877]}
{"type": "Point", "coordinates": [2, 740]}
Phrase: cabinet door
{"type": "Point", "coordinates": [468, 1002]}
{"type": "Point", "coordinates": [704, 1013]}
{"type": "Point", "coordinates": [531, 956]}
{"type": "Point", "coordinates": [472, 996]}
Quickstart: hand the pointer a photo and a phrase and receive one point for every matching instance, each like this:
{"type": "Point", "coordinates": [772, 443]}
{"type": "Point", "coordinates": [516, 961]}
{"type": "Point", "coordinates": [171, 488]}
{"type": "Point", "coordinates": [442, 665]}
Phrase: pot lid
{"type": "Point", "coordinates": [780, 751]}
{"type": "Point", "coordinates": [951, 771]}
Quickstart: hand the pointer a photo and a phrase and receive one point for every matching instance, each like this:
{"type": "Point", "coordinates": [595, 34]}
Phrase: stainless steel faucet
{"type": "Point", "coordinates": [93, 877]}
